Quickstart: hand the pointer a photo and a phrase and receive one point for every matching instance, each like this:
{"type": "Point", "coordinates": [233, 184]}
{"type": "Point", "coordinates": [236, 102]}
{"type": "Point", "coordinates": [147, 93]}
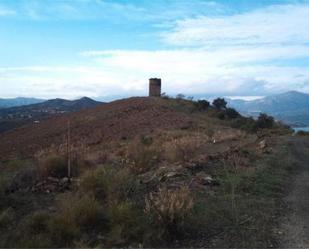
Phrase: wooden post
{"type": "Point", "coordinates": [69, 149]}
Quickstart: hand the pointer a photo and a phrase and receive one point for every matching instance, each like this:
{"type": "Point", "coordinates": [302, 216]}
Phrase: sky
{"type": "Point", "coordinates": [110, 48]}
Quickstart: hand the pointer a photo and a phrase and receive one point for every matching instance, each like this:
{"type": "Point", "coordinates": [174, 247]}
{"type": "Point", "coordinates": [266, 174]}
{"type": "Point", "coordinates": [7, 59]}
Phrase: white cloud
{"type": "Point", "coordinates": [274, 24]}
{"type": "Point", "coordinates": [231, 55]}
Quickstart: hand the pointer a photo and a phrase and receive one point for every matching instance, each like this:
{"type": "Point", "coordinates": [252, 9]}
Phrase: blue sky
{"type": "Point", "coordinates": [73, 48]}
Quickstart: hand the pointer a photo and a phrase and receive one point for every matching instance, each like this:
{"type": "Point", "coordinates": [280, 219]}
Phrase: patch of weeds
{"type": "Point", "coordinates": [53, 165]}
{"type": "Point", "coordinates": [7, 216]}
{"type": "Point", "coordinates": [127, 224]}
{"type": "Point", "coordinates": [168, 210]}
{"type": "Point", "coordinates": [109, 183]}
{"type": "Point", "coordinates": [182, 149]}
{"type": "Point", "coordinates": [142, 154]}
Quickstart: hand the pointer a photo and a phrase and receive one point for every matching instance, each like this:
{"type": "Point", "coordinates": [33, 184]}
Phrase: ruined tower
{"type": "Point", "coordinates": [154, 87]}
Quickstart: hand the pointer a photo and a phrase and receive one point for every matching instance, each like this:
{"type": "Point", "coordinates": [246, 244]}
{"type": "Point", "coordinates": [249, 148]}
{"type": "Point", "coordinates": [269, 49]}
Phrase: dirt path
{"type": "Point", "coordinates": [295, 227]}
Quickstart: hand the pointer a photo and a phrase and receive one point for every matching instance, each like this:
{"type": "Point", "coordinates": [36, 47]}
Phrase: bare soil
{"type": "Point", "coordinates": [120, 119]}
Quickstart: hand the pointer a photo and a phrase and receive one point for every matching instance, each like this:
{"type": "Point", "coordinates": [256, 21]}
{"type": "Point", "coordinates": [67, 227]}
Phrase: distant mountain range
{"type": "Point", "coordinates": [6, 103]}
{"type": "Point", "coordinates": [291, 107]}
{"type": "Point", "coordinates": [17, 116]}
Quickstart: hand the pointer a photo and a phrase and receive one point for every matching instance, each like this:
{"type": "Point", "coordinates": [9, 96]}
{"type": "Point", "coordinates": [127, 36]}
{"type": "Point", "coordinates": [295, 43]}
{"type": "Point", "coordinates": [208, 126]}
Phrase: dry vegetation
{"type": "Point", "coordinates": [200, 183]}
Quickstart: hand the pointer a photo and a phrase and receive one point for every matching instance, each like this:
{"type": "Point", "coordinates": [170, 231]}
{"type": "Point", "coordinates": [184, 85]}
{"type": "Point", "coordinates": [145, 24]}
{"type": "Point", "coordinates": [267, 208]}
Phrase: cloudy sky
{"type": "Point", "coordinates": [73, 48]}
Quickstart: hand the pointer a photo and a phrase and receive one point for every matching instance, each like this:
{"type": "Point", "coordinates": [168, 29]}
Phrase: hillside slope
{"type": "Point", "coordinates": [115, 120]}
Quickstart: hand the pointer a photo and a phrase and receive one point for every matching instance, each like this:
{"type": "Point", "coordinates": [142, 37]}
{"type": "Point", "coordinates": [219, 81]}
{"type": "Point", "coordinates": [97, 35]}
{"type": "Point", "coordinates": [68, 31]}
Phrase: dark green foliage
{"type": "Point", "coordinates": [264, 121]}
{"type": "Point", "coordinates": [246, 124]}
{"type": "Point", "coordinates": [221, 115]}
{"type": "Point", "coordinates": [55, 166]}
{"type": "Point", "coordinates": [180, 96]}
{"type": "Point", "coordinates": [231, 113]}
{"type": "Point", "coordinates": [201, 105]}
{"type": "Point", "coordinates": [146, 140]}
{"type": "Point", "coordinates": [303, 133]}
{"type": "Point", "coordinates": [219, 103]}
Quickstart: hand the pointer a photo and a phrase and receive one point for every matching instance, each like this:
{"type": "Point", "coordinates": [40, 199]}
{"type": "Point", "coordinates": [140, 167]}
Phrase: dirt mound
{"type": "Point", "coordinates": [120, 119]}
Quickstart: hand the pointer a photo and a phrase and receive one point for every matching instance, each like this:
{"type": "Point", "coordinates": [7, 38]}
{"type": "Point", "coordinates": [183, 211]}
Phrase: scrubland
{"type": "Point", "coordinates": [212, 179]}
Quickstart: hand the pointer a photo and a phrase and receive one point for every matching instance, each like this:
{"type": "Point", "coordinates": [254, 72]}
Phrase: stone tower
{"type": "Point", "coordinates": [154, 87]}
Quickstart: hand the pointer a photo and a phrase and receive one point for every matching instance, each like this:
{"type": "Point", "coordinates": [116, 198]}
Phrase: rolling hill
{"type": "Point", "coordinates": [116, 120]}
{"type": "Point", "coordinates": [291, 107]}
{"type": "Point", "coordinates": [14, 117]}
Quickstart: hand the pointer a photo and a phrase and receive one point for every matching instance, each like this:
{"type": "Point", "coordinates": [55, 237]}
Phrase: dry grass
{"type": "Point", "coordinates": [142, 154]}
{"type": "Point", "coordinates": [169, 209]}
{"type": "Point", "coordinates": [109, 183]}
{"type": "Point", "coordinates": [182, 149]}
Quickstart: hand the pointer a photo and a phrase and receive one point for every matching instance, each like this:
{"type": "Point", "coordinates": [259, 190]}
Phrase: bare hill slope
{"type": "Point", "coordinates": [116, 120]}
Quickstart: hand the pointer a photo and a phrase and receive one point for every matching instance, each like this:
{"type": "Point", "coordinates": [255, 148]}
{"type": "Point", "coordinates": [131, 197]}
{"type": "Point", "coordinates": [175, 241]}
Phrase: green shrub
{"type": "Point", "coordinates": [246, 124]}
{"type": "Point", "coordinates": [221, 115]}
{"type": "Point", "coordinates": [6, 218]}
{"type": "Point", "coordinates": [302, 133]}
{"type": "Point", "coordinates": [33, 231]}
{"type": "Point", "coordinates": [264, 121]}
{"type": "Point", "coordinates": [82, 210]}
{"type": "Point", "coordinates": [54, 165]}
{"type": "Point", "coordinates": [142, 154]}
{"type": "Point", "coordinates": [126, 224]}
{"type": "Point", "coordinates": [63, 231]}
{"type": "Point", "coordinates": [231, 113]}
{"type": "Point", "coordinates": [201, 105]}
{"type": "Point", "coordinates": [109, 183]}
{"type": "Point", "coordinates": [76, 214]}
{"type": "Point", "coordinates": [219, 103]}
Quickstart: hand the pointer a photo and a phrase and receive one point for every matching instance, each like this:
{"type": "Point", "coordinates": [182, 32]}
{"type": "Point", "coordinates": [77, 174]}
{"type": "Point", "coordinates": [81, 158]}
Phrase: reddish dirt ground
{"type": "Point", "coordinates": [117, 120]}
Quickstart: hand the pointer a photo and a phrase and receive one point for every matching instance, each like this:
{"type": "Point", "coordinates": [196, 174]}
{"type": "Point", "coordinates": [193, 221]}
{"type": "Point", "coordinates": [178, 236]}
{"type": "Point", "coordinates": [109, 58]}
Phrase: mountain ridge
{"type": "Point", "coordinates": [18, 101]}
{"type": "Point", "coordinates": [290, 107]}
{"type": "Point", "coordinates": [14, 117]}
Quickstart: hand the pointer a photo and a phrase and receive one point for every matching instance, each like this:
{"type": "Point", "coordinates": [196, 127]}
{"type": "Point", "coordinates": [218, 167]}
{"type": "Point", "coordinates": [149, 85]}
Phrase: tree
{"type": "Point", "coordinates": [219, 103]}
{"type": "Point", "coordinates": [202, 105]}
{"type": "Point", "coordinates": [231, 113]}
{"type": "Point", "coordinates": [265, 121]}
{"type": "Point", "coordinates": [180, 96]}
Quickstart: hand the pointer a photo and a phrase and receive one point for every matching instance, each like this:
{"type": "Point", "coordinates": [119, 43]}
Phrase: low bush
{"type": "Point", "coordinates": [302, 133]}
{"type": "Point", "coordinates": [34, 231]}
{"type": "Point", "coordinates": [6, 218]}
{"type": "Point", "coordinates": [246, 124]}
{"type": "Point", "coordinates": [126, 224]}
{"type": "Point", "coordinates": [231, 113]}
{"type": "Point", "coordinates": [82, 210]}
{"type": "Point", "coordinates": [54, 165]}
{"type": "Point", "coordinates": [201, 105]}
{"type": "Point", "coordinates": [264, 121]}
{"type": "Point", "coordinates": [109, 183]}
{"type": "Point", "coordinates": [142, 154]}
{"type": "Point", "coordinates": [168, 210]}
{"type": "Point", "coordinates": [219, 103]}
{"type": "Point", "coordinates": [182, 149]}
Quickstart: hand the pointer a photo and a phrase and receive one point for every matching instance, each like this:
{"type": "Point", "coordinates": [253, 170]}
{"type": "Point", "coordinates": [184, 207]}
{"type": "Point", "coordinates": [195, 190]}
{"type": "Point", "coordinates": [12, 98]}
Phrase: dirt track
{"type": "Point", "coordinates": [295, 227]}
